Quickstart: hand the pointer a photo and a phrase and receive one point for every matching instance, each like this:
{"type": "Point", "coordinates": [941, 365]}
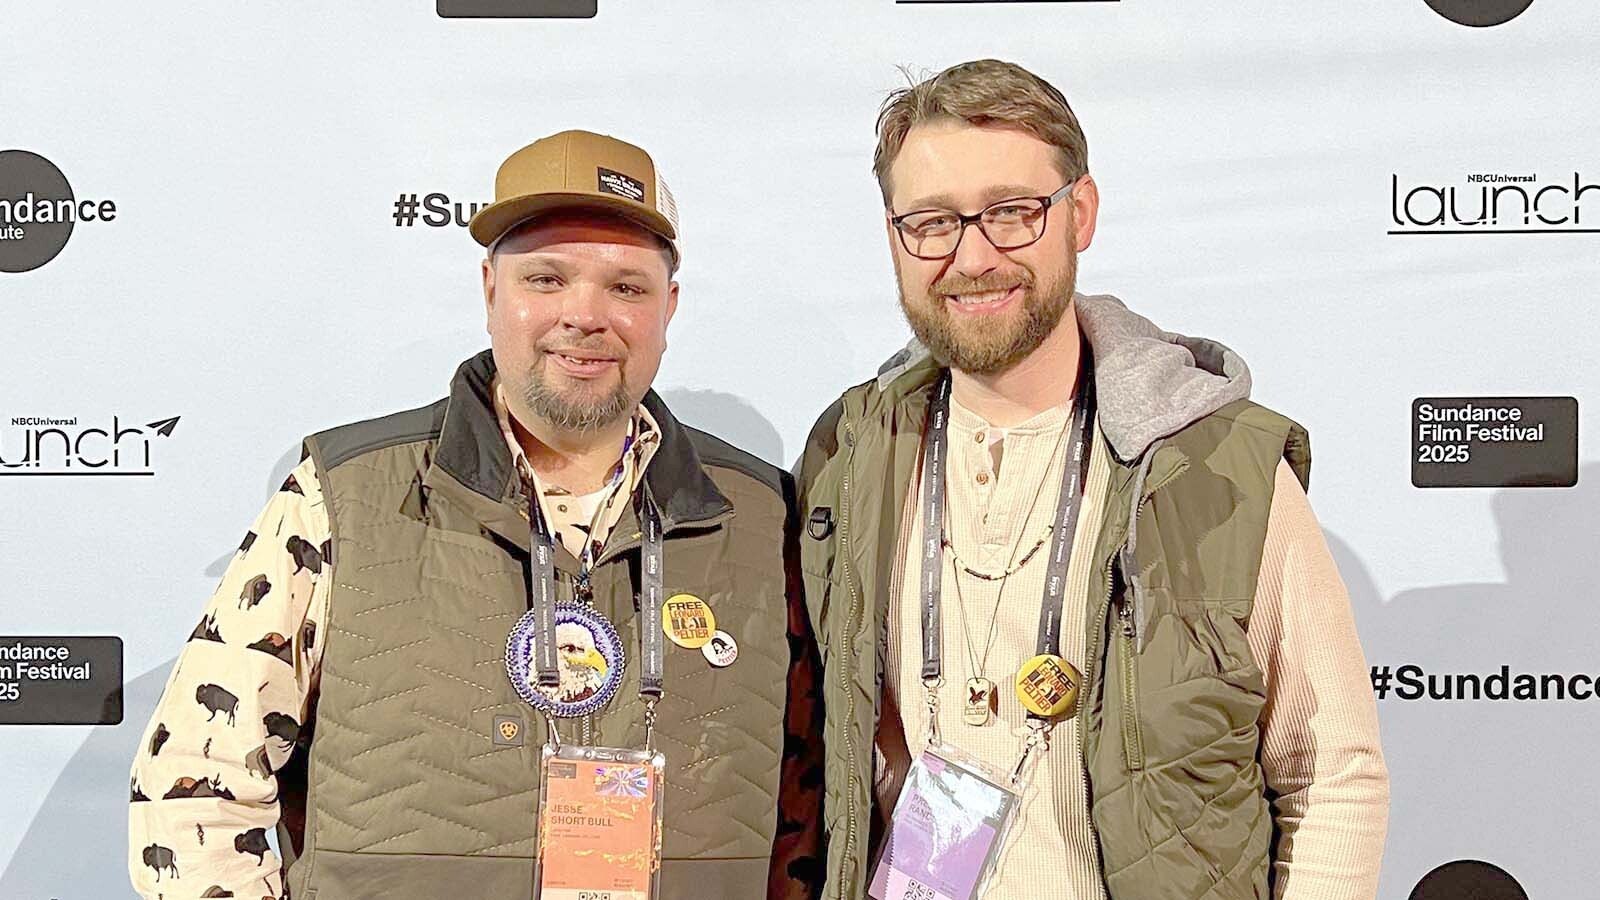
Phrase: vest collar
{"type": "Point", "coordinates": [472, 463]}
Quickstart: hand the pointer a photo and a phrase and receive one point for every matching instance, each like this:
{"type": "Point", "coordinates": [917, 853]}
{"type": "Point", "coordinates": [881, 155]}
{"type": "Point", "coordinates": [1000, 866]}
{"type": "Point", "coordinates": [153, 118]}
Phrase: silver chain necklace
{"type": "Point", "coordinates": [981, 702]}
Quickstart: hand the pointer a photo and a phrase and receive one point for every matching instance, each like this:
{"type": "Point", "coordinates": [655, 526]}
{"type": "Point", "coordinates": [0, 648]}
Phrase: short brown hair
{"type": "Point", "coordinates": [982, 92]}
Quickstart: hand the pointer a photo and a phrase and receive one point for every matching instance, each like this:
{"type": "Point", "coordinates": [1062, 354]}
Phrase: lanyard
{"type": "Point", "coordinates": [541, 596]}
{"type": "Point", "coordinates": [935, 452]}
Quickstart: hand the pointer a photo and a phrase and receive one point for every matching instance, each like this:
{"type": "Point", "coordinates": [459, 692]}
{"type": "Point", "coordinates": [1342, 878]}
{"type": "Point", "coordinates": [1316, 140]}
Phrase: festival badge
{"type": "Point", "coordinates": [590, 662]}
{"type": "Point", "coordinates": [948, 830]}
{"type": "Point", "coordinates": [1047, 685]}
{"type": "Point", "coordinates": [688, 621]}
{"type": "Point", "coordinates": [599, 831]}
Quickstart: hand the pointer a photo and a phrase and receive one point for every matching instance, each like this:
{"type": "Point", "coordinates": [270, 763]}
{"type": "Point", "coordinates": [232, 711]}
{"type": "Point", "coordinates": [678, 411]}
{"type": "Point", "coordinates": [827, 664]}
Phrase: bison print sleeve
{"type": "Point", "coordinates": [203, 793]}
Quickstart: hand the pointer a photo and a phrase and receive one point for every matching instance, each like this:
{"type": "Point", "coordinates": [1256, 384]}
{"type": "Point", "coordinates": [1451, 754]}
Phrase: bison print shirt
{"type": "Point", "coordinates": [202, 789]}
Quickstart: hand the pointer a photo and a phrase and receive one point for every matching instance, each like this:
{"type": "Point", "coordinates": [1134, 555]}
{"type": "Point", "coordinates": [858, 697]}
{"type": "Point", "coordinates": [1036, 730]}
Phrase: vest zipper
{"type": "Point", "coordinates": [1091, 660]}
{"type": "Point", "coordinates": [846, 676]}
{"type": "Point", "coordinates": [1083, 705]}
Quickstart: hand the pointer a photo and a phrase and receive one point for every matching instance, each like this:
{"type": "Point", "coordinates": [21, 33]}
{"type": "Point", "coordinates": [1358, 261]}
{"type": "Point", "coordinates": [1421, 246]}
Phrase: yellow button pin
{"type": "Point", "coordinates": [1047, 685]}
{"type": "Point", "coordinates": [688, 621]}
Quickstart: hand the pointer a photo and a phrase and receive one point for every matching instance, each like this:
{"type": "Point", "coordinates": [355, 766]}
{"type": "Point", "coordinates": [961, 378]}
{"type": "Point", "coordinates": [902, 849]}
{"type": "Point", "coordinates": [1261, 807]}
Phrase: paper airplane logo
{"type": "Point", "coordinates": [164, 427]}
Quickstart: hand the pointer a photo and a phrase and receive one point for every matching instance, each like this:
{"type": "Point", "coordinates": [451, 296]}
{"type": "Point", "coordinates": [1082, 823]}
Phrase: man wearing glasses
{"type": "Point", "coordinates": [1075, 607]}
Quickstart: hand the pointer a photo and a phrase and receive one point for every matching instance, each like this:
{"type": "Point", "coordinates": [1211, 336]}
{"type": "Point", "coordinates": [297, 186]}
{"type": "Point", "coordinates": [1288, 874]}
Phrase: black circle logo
{"type": "Point", "coordinates": [1480, 13]}
{"type": "Point", "coordinates": [33, 196]}
{"type": "Point", "coordinates": [1468, 879]}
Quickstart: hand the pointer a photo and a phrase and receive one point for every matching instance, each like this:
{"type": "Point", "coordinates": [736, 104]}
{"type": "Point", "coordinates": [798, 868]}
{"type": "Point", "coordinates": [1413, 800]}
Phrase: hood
{"type": "Point", "coordinates": [1149, 383]}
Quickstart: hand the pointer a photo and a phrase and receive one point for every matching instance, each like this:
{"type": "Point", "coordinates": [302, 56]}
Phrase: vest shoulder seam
{"type": "Point", "coordinates": [1234, 412]}
{"type": "Point", "coordinates": [342, 443]}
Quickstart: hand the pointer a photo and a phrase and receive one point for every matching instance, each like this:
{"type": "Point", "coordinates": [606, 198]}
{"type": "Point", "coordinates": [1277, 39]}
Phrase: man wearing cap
{"type": "Point", "coordinates": [397, 638]}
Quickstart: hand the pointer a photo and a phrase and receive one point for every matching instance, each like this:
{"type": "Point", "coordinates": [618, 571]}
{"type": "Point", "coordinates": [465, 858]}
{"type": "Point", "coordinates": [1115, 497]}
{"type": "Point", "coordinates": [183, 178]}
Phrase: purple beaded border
{"type": "Point", "coordinates": [519, 655]}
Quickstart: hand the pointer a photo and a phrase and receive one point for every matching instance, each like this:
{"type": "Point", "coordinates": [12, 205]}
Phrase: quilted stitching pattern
{"type": "Point", "coordinates": [402, 761]}
{"type": "Point", "coordinates": [1191, 821]}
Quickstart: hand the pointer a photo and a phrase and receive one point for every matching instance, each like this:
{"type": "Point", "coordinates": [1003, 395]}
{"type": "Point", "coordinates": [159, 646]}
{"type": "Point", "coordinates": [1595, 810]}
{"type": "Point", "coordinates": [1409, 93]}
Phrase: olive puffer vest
{"type": "Point", "coordinates": [414, 789]}
{"type": "Point", "coordinates": [1172, 694]}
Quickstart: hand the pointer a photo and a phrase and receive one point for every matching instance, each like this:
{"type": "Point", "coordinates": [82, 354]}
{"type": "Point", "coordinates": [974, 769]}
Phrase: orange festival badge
{"type": "Point", "coordinates": [598, 829]}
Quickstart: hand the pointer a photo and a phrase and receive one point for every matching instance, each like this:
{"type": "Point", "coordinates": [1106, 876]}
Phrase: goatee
{"type": "Point", "coordinates": [575, 409]}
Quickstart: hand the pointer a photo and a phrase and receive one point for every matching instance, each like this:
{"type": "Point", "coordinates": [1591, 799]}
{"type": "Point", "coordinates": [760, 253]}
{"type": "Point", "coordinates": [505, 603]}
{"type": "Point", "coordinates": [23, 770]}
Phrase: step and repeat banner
{"type": "Point", "coordinates": [224, 226]}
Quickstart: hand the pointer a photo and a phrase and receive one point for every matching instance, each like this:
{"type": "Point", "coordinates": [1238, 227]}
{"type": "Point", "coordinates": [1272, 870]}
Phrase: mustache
{"type": "Point", "coordinates": [988, 281]}
{"type": "Point", "coordinates": [599, 347]}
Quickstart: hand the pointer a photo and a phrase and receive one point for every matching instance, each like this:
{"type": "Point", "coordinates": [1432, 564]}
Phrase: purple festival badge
{"type": "Point", "coordinates": [944, 834]}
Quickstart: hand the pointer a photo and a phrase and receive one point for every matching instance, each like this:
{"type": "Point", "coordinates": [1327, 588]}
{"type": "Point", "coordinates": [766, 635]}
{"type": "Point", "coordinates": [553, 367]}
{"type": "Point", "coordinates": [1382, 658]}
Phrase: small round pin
{"type": "Point", "coordinates": [721, 650]}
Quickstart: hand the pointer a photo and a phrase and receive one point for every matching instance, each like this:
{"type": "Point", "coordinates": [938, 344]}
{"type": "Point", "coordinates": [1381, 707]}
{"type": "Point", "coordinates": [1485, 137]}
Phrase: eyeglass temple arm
{"type": "Point", "coordinates": [1061, 194]}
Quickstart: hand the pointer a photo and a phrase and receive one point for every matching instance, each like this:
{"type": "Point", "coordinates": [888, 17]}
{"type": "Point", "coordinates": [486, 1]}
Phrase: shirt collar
{"type": "Point", "coordinates": [965, 420]}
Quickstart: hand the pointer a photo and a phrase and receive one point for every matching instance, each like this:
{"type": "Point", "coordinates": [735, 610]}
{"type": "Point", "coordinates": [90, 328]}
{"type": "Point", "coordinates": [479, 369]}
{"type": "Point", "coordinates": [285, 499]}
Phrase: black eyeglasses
{"type": "Point", "coordinates": [1007, 224]}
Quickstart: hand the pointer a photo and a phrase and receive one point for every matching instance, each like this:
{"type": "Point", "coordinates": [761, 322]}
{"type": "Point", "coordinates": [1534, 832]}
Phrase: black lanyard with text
{"type": "Point", "coordinates": [934, 462]}
{"type": "Point", "coordinates": [541, 598]}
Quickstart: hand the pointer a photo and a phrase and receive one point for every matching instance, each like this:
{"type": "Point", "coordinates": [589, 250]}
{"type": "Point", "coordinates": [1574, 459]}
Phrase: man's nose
{"type": "Point", "coordinates": [975, 255]}
{"type": "Point", "coordinates": [584, 307]}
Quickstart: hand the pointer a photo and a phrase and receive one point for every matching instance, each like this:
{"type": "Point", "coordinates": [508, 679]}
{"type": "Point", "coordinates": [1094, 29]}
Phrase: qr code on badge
{"type": "Point", "coordinates": [916, 890]}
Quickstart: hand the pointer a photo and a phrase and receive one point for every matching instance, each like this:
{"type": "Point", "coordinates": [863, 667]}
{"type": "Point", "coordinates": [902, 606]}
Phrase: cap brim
{"type": "Point", "coordinates": [494, 220]}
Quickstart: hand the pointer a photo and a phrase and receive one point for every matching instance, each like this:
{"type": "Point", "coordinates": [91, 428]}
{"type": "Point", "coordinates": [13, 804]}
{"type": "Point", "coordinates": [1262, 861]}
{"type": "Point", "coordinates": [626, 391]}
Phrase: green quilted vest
{"type": "Point", "coordinates": [1172, 691]}
{"type": "Point", "coordinates": [409, 794]}
{"type": "Point", "coordinates": [1171, 696]}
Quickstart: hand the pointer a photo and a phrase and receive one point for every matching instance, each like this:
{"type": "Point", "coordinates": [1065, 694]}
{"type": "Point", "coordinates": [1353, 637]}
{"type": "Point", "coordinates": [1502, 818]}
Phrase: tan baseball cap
{"type": "Point", "coordinates": [578, 170]}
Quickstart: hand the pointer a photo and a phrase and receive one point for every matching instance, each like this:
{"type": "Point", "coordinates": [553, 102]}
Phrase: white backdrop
{"type": "Point", "coordinates": [254, 283]}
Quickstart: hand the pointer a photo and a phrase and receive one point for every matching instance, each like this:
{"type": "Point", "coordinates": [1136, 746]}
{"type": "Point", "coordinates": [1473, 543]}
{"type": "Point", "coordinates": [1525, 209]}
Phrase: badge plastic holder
{"type": "Point", "coordinates": [948, 831]}
{"type": "Point", "coordinates": [599, 827]}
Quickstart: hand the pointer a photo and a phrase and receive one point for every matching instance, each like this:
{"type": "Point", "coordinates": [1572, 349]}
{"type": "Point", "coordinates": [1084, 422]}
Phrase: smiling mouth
{"type": "Point", "coordinates": [581, 364]}
{"type": "Point", "coordinates": [980, 301]}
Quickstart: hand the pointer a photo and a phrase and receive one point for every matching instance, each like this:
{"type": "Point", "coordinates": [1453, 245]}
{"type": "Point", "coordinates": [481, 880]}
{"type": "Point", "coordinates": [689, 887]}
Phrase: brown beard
{"type": "Point", "coordinates": [576, 410]}
{"type": "Point", "coordinates": [990, 348]}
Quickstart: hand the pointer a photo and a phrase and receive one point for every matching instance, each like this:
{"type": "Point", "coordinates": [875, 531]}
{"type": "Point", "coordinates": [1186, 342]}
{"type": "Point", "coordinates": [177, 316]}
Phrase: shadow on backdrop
{"type": "Point", "coordinates": [728, 417]}
{"type": "Point", "coordinates": [280, 471]}
{"type": "Point", "coordinates": [1480, 778]}
{"type": "Point", "coordinates": [76, 847]}
{"type": "Point", "coordinates": [77, 843]}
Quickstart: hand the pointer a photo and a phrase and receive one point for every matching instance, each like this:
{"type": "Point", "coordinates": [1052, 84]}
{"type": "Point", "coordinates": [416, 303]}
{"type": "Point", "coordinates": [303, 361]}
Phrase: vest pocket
{"type": "Point", "coordinates": [1128, 669]}
{"type": "Point", "coordinates": [1225, 689]}
{"type": "Point", "coordinates": [819, 590]}
{"type": "Point", "coordinates": [1214, 630]}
